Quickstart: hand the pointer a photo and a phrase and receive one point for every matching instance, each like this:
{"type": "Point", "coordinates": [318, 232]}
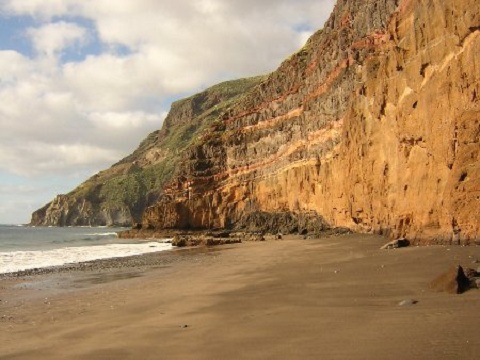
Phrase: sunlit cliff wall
{"type": "Point", "coordinates": [373, 125]}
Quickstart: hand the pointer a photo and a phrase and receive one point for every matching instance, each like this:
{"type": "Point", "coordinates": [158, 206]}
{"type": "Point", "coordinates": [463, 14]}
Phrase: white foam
{"type": "Point", "coordinates": [24, 260]}
{"type": "Point", "coordinates": [114, 234]}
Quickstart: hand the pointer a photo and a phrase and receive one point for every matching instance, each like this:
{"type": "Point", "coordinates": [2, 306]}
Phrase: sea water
{"type": "Point", "coordinates": [25, 247]}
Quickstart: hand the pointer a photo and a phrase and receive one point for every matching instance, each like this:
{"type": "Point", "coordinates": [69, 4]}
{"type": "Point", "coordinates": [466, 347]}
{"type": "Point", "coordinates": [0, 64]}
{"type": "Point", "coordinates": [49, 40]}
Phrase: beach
{"type": "Point", "coordinates": [337, 297]}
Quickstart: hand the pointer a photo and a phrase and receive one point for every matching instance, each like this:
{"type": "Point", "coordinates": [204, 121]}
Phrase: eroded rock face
{"type": "Point", "coordinates": [119, 195]}
{"type": "Point", "coordinates": [64, 211]}
{"type": "Point", "coordinates": [373, 125]}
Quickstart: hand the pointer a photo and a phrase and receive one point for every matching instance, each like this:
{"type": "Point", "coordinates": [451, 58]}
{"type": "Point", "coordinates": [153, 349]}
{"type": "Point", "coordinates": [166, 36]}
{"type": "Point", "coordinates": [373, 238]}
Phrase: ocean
{"type": "Point", "coordinates": [24, 247]}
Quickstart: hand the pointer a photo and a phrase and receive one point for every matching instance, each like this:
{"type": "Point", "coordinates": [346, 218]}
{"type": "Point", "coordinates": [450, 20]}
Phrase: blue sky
{"type": "Point", "coordinates": [82, 82]}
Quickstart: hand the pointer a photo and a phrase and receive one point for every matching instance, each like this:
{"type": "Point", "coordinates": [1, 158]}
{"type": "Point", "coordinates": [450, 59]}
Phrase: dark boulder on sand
{"type": "Point", "coordinates": [453, 281]}
{"type": "Point", "coordinates": [395, 244]}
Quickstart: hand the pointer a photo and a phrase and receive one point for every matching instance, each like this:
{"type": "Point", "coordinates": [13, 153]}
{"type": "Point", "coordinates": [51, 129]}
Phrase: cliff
{"type": "Point", "coordinates": [373, 125]}
{"type": "Point", "coordinates": [119, 195]}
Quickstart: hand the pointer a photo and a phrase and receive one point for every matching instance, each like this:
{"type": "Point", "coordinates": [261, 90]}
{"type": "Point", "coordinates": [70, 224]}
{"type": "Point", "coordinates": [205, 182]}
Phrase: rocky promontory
{"type": "Point", "coordinates": [118, 196]}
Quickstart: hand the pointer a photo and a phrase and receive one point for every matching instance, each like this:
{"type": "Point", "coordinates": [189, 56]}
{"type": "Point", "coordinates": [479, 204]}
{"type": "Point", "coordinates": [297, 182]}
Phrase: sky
{"type": "Point", "coordinates": [82, 82]}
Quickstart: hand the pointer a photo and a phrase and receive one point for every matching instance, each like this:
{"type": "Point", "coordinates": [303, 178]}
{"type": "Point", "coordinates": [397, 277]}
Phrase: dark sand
{"type": "Point", "coordinates": [333, 298]}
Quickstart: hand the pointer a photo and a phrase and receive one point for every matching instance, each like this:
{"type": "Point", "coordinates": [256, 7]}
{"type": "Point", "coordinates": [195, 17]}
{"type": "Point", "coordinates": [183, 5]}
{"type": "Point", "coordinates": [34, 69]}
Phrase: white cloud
{"type": "Point", "coordinates": [54, 158]}
{"type": "Point", "coordinates": [13, 66]}
{"type": "Point", "coordinates": [45, 9]}
{"type": "Point", "coordinates": [112, 120]}
{"type": "Point", "coordinates": [52, 38]}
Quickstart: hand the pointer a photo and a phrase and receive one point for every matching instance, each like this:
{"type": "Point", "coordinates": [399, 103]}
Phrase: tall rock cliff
{"type": "Point", "coordinates": [119, 195]}
{"type": "Point", "coordinates": [373, 125]}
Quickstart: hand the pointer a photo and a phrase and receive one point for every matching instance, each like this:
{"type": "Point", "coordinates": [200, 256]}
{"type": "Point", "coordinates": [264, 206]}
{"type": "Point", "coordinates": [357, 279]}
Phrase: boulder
{"type": "Point", "coordinates": [179, 241]}
{"type": "Point", "coordinates": [395, 244]}
{"type": "Point", "coordinates": [453, 281]}
{"type": "Point", "coordinates": [477, 283]}
{"type": "Point", "coordinates": [470, 273]}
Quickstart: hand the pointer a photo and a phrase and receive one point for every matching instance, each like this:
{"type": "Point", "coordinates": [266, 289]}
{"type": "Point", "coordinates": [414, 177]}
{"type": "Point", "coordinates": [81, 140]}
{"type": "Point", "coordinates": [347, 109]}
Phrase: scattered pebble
{"type": "Point", "coordinates": [407, 302]}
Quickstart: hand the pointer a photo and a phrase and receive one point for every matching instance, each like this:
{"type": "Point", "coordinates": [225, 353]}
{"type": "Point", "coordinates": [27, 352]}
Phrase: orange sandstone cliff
{"type": "Point", "coordinates": [374, 125]}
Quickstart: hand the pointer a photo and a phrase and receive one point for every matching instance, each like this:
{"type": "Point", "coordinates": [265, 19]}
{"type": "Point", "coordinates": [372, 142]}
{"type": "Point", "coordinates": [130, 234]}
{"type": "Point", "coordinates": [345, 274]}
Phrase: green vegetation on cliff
{"type": "Point", "coordinates": [118, 195]}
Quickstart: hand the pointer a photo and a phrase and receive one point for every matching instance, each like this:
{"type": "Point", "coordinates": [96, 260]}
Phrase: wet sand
{"type": "Point", "coordinates": [331, 298]}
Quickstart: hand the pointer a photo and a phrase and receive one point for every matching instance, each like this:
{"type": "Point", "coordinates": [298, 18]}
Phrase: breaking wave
{"type": "Point", "coordinates": [26, 260]}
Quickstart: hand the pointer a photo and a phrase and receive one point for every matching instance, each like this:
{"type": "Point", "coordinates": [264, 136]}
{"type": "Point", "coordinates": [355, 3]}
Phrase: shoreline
{"type": "Point", "coordinates": [289, 299]}
{"type": "Point", "coordinates": [141, 260]}
{"type": "Point", "coordinates": [177, 238]}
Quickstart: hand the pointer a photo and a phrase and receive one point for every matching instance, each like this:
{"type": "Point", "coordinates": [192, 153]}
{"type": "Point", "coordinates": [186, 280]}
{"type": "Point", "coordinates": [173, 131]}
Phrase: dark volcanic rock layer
{"type": "Point", "coordinates": [373, 125]}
